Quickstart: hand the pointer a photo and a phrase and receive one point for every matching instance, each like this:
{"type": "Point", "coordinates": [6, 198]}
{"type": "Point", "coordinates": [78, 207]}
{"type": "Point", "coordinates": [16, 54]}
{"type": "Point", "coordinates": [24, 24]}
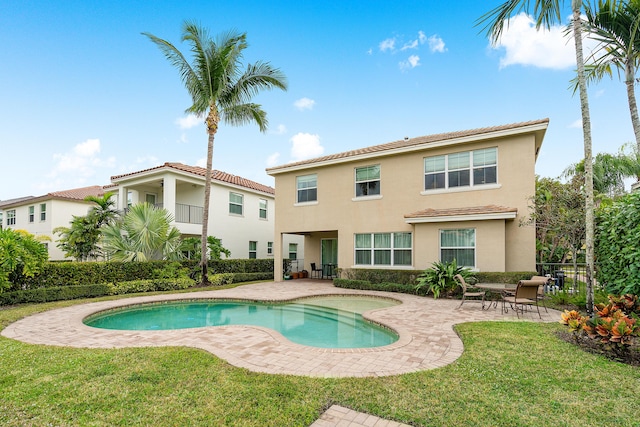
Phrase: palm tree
{"type": "Point", "coordinates": [615, 24]}
{"type": "Point", "coordinates": [220, 90]}
{"type": "Point", "coordinates": [143, 234]}
{"type": "Point", "coordinates": [546, 13]}
{"type": "Point", "coordinates": [105, 213]}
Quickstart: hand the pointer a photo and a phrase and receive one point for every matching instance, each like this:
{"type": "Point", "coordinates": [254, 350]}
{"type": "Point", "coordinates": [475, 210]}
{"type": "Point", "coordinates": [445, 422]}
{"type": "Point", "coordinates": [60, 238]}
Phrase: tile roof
{"type": "Point", "coordinates": [216, 176]}
{"type": "Point", "coordinates": [77, 194]}
{"type": "Point", "coordinates": [476, 210]}
{"type": "Point", "coordinates": [409, 142]}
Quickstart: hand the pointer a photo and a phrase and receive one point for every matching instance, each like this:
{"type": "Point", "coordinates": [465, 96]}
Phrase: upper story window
{"type": "Point", "coordinates": [263, 209]}
{"type": "Point", "coordinates": [11, 217]}
{"type": "Point", "coordinates": [253, 250]}
{"type": "Point", "coordinates": [368, 181]}
{"type": "Point", "coordinates": [235, 203]}
{"type": "Point", "coordinates": [43, 212]}
{"type": "Point", "coordinates": [468, 168]}
{"type": "Point", "coordinates": [307, 188]}
{"type": "Point", "coordinates": [32, 213]}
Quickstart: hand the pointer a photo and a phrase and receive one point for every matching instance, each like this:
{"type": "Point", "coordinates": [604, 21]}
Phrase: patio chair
{"type": "Point", "coordinates": [316, 271]}
{"type": "Point", "coordinates": [526, 295]}
{"type": "Point", "coordinates": [544, 281]}
{"type": "Point", "coordinates": [466, 293]}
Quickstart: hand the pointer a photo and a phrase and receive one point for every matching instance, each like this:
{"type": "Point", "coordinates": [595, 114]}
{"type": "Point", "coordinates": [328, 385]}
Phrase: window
{"type": "Point", "coordinates": [293, 251]}
{"type": "Point", "coordinates": [307, 186]}
{"type": "Point", "coordinates": [1, 221]}
{"type": "Point", "coordinates": [368, 181]}
{"type": "Point", "coordinates": [150, 198]}
{"type": "Point", "coordinates": [383, 249]}
{"type": "Point", "coordinates": [458, 244]}
{"type": "Point", "coordinates": [43, 212]}
{"type": "Point", "coordinates": [32, 213]}
{"type": "Point", "coordinates": [263, 209]}
{"type": "Point", "coordinates": [235, 203]}
{"type": "Point", "coordinates": [11, 217]}
{"type": "Point", "coordinates": [269, 248]}
{"type": "Point", "coordinates": [469, 168]}
{"type": "Point", "coordinates": [253, 250]}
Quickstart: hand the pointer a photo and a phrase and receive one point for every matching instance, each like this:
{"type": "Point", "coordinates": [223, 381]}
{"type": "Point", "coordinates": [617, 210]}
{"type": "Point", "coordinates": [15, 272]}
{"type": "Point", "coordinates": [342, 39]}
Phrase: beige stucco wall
{"type": "Point", "coordinates": [502, 245]}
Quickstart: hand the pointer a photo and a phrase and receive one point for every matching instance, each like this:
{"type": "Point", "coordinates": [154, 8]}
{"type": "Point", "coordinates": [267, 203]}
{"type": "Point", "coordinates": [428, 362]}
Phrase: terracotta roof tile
{"type": "Point", "coordinates": [476, 210]}
{"type": "Point", "coordinates": [216, 176]}
{"type": "Point", "coordinates": [411, 142]}
{"type": "Point", "coordinates": [73, 194]}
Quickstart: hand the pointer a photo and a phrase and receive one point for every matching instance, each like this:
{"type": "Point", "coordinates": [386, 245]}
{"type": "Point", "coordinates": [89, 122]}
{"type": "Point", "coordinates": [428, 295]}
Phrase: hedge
{"type": "Point", "coordinates": [55, 294]}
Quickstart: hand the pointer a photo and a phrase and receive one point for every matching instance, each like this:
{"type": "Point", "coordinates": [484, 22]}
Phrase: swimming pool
{"type": "Point", "coordinates": [326, 322]}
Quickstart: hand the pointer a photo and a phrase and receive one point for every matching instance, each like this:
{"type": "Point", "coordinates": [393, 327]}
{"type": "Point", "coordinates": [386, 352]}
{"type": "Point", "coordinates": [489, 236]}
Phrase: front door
{"type": "Point", "coordinates": [329, 256]}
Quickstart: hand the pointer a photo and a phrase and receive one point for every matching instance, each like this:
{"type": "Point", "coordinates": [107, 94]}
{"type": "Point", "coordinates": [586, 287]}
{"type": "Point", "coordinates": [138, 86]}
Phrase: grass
{"type": "Point", "coordinates": [511, 373]}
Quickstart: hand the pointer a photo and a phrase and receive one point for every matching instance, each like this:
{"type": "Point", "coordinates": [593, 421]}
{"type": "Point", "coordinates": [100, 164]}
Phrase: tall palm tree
{"type": "Point", "coordinates": [220, 90]}
{"type": "Point", "coordinates": [546, 13]}
{"type": "Point", "coordinates": [615, 24]}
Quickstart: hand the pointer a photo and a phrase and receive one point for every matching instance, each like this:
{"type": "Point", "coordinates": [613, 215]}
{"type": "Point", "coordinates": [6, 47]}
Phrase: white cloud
{"type": "Point", "coordinates": [273, 159]}
{"type": "Point", "coordinates": [422, 37]}
{"type": "Point", "coordinates": [576, 124]}
{"type": "Point", "coordinates": [280, 130]}
{"type": "Point", "coordinates": [388, 44]}
{"type": "Point", "coordinates": [525, 45]}
{"type": "Point", "coordinates": [412, 62]}
{"type": "Point", "coordinates": [189, 121]}
{"type": "Point", "coordinates": [305, 146]}
{"type": "Point", "coordinates": [410, 45]}
{"type": "Point", "coordinates": [81, 162]}
{"type": "Point", "coordinates": [202, 162]}
{"type": "Point", "coordinates": [436, 44]}
{"type": "Point", "coordinates": [304, 104]}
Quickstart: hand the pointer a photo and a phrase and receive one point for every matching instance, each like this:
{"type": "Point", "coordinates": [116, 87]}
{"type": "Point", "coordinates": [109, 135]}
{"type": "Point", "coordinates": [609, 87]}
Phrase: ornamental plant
{"type": "Point", "coordinates": [440, 277]}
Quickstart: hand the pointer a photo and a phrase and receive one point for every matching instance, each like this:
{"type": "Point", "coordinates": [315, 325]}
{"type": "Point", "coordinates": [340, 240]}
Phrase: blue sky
{"type": "Point", "coordinates": [84, 96]}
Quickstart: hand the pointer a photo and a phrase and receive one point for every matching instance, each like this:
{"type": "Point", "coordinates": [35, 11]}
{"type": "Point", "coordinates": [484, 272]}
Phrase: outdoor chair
{"type": "Point", "coordinates": [526, 295]}
{"type": "Point", "coordinates": [316, 271]}
{"type": "Point", "coordinates": [466, 293]}
{"type": "Point", "coordinates": [544, 281]}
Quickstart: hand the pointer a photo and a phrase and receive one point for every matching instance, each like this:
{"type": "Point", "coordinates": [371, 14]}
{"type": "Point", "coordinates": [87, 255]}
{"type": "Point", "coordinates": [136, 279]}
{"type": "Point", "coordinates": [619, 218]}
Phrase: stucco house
{"type": "Point", "coordinates": [241, 213]}
{"type": "Point", "coordinates": [408, 203]}
{"type": "Point", "coordinates": [40, 215]}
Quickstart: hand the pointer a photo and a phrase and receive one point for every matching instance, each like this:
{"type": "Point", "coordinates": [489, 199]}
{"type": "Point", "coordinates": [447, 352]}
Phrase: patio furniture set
{"type": "Point", "coordinates": [527, 293]}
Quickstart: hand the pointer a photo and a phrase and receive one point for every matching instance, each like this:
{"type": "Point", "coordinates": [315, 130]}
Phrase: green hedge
{"type": "Point", "coordinates": [366, 285]}
{"type": "Point", "coordinates": [406, 277]}
{"type": "Point", "coordinates": [55, 294]}
{"type": "Point", "coordinates": [503, 277]}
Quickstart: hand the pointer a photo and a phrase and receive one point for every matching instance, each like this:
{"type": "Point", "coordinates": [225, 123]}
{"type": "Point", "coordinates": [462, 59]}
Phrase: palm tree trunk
{"type": "Point", "coordinates": [212, 127]}
{"type": "Point", "coordinates": [588, 156]}
{"type": "Point", "coordinates": [631, 94]}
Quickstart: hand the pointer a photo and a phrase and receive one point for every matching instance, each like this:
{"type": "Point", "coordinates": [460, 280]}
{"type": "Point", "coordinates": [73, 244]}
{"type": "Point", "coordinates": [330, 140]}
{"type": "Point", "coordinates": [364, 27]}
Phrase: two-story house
{"type": "Point", "coordinates": [241, 211]}
{"type": "Point", "coordinates": [41, 215]}
{"type": "Point", "coordinates": [409, 203]}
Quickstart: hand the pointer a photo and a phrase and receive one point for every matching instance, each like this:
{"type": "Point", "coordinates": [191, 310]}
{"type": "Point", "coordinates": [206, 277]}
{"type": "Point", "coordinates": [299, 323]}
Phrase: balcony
{"type": "Point", "coordinates": [189, 214]}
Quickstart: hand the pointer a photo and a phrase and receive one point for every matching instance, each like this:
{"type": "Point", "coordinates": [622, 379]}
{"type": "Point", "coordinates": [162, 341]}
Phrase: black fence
{"type": "Point", "coordinates": [567, 277]}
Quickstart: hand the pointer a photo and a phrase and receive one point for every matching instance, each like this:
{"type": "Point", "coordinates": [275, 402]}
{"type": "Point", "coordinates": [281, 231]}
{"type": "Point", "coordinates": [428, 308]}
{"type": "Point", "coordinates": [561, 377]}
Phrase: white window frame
{"type": "Point", "coordinates": [270, 248]}
{"type": "Point", "coordinates": [43, 212]}
{"type": "Point", "coordinates": [293, 249]}
{"type": "Point", "coordinates": [372, 250]}
{"type": "Point", "coordinates": [474, 247]}
{"type": "Point", "coordinates": [304, 180]}
{"type": "Point", "coordinates": [472, 167]}
{"type": "Point", "coordinates": [235, 203]}
{"type": "Point", "coordinates": [263, 207]}
{"type": "Point", "coordinates": [253, 249]}
{"type": "Point", "coordinates": [11, 217]}
{"type": "Point", "coordinates": [32, 214]}
{"type": "Point", "coordinates": [366, 191]}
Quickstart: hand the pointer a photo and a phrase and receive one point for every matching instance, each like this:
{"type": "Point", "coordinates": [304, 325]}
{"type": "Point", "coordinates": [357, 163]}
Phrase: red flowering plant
{"type": "Point", "coordinates": [614, 324]}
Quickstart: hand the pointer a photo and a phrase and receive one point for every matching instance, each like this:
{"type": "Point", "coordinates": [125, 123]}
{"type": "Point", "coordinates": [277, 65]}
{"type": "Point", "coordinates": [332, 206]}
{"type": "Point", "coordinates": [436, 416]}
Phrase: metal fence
{"type": "Point", "coordinates": [568, 277]}
{"type": "Point", "coordinates": [189, 214]}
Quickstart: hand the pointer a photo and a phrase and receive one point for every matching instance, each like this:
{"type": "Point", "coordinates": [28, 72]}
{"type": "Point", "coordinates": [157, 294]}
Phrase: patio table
{"type": "Point", "coordinates": [499, 288]}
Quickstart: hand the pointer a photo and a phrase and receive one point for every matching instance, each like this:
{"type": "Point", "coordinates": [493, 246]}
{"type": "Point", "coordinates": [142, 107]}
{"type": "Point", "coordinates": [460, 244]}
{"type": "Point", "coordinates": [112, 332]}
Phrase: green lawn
{"type": "Point", "coordinates": [511, 374]}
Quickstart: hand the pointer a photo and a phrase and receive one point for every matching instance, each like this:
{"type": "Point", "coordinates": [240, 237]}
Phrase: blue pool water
{"type": "Point", "coordinates": [327, 322]}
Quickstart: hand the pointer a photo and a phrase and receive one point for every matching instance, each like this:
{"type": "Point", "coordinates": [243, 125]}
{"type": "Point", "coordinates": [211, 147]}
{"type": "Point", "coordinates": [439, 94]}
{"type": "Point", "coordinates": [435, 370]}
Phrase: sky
{"type": "Point", "coordinates": [85, 96]}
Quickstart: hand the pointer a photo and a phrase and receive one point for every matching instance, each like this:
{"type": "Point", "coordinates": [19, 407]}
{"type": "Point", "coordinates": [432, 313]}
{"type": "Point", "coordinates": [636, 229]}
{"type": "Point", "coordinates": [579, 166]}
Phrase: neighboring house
{"type": "Point", "coordinates": [42, 214]}
{"type": "Point", "coordinates": [241, 212]}
{"type": "Point", "coordinates": [409, 203]}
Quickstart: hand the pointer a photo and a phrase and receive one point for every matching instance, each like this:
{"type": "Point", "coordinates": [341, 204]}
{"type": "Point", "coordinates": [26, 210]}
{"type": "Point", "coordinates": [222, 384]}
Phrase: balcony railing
{"type": "Point", "coordinates": [189, 214]}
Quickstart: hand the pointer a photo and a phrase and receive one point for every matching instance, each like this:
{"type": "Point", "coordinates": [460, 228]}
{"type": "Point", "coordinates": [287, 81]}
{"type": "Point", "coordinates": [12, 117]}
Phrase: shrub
{"type": "Point", "coordinates": [440, 278]}
{"type": "Point", "coordinates": [406, 277]}
{"type": "Point", "coordinates": [150, 285]}
{"type": "Point", "coordinates": [221, 279]}
{"type": "Point", "coordinates": [55, 294]}
{"type": "Point", "coordinates": [366, 285]}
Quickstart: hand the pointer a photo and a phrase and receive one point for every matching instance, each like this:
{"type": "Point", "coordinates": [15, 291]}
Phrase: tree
{"type": "Point", "coordinates": [220, 90]}
{"type": "Point", "coordinates": [609, 174]}
{"type": "Point", "coordinates": [144, 233]}
{"type": "Point", "coordinates": [615, 24]}
{"type": "Point", "coordinates": [546, 13]}
{"type": "Point", "coordinates": [82, 240]}
{"type": "Point", "coordinates": [192, 246]}
{"type": "Point", "coordinates": [21, 254]}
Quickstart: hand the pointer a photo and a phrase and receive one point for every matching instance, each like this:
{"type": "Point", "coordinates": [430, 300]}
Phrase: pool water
{"type": "Point", "coordinates": [327, 322]}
